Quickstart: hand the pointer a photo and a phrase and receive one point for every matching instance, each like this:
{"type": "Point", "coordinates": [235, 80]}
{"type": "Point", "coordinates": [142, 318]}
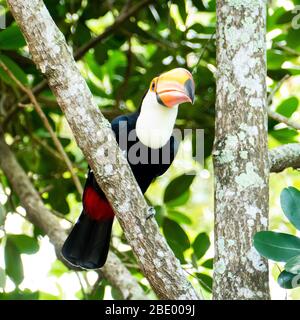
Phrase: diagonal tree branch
{"type": "Point", "coordinates": [280, 118]}
{"type": "Point", "coordinates": [114, 271]}
{"type": "Point", "coordinates": [97, 141]}
{"type": "Point", "coordinates": [286, 156]}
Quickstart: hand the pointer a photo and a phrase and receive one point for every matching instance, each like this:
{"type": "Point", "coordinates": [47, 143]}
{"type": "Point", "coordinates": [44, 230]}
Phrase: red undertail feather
{"type": "Point", "coordinates": [95, 206]}
{"type": "Point", "coordinates": [88, 243]}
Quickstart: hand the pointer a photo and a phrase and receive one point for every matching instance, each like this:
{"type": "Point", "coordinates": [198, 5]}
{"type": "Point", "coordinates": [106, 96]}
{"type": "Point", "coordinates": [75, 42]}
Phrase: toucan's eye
{"type": "Point", "coordinates": [152, 85]}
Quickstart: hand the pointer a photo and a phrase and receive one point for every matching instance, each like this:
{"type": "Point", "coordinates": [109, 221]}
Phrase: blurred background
{"type": "Point", "coordinates": [118, 68]}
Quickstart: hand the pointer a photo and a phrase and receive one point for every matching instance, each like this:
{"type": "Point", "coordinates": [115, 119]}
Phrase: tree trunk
{"type": "Point", "coordinates": [97, 142]}
{"type": "Point", "coordinates": [240, 152]}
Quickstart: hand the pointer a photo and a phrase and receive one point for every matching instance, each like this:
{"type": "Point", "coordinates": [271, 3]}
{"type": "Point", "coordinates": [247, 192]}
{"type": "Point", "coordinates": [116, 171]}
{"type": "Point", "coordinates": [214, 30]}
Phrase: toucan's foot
{"type": "Point", "coordinates": [151, 213]}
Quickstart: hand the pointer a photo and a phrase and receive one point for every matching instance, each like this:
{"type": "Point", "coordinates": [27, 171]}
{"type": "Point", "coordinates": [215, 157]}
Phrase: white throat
{"type": "Point", "coordinates": [155, 123]}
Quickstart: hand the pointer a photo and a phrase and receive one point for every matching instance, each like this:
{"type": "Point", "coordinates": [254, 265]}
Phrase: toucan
{"type": "Point", "coordinates": [152, 124]}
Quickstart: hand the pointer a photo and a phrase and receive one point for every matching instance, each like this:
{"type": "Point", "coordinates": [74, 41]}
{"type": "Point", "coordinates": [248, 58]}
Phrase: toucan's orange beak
{"type": "Point", "coordinates": [174, 87]}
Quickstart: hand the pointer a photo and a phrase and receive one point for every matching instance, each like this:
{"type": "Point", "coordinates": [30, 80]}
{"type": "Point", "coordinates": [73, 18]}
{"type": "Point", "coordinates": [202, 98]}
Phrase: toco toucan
{"type": "Point", "coordinates": [88, 243]}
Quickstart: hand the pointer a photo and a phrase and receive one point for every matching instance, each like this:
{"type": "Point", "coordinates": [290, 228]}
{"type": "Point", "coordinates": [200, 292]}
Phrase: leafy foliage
{"type": "Point", "coordinates": [281, 246]}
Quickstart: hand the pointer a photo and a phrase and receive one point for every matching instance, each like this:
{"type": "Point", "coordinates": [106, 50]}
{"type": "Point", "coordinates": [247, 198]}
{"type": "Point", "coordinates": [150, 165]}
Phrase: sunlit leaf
{"type": "Point", "coordinates": [285, 135]}
{"type": "Point", "coordinates": [47, 296]}
{"type": "Point", "coordinates": [58, 269]}
{"type": "Point", "coordinates": [275, 59]}
{"type": "Point", "coordinates": [288, 107]}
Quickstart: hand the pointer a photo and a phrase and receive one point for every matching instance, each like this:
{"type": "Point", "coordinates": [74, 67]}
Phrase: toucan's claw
{"type": "Point", "coordinates": [151, 213]}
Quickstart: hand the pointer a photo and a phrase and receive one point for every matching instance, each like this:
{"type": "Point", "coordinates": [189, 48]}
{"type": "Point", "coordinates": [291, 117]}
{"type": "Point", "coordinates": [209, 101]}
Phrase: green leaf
{"type": "Point", "coordinates": [2, 278]}
{"type": "Point", "coordinates": [194, 261]}
{"type": "Point", "coordinates": [212, 5]}
{"type": "Point", "coordinates": [208, 263]}
{"type": "Point", "coordinates": [181, 8]}
{"type": "Point", "coordinates": [180, 201]}
{"type": "Point", "coordinates": [179, 217]}
{"type": "Point", "coordinates": [288, 280]}
{"type": "Point", "coordinates": [290, 204]}
{"type": "Point", "coordinates": [293, 265]}
{"type": "Point", "coordinates": [277, 246]}
{"type": "Point", "coordinates": [13, 262]}
{"type": "Point", "coordinates": [24, 243]}
{"type": "Point", "coordinates": [100, 53]}
{"type": "Point", "coordinates": [58, 269]}
{"type": "Point", "coordinates": [159, 214]}
{"type": "Point", "coordinates": [2, 215]}
{"type": "Point", "coordinates": [20, 295]}
{"type": "Point", "coordinates": [286, 17]}
{"type": "Point", "coordinates": [82, 35]}
{"type": "Point", "coordinates": [201, 245]}
{"type": "Point", "coordinates": [205, 281]}
{"type": "Point", "coordinates": [176, 238]}
{"type": "Point", "coordinates": [11, 38]}
{"type": "Point", "coordinates": [288, 107]}
{"type": "Point", "coordinates": [275, 59]}
{"type": "Point", "coordinates": [199, 5]}
{"type": "Point", "coordinates": [14, 68]}
{"type": "Point", "coordinates": [292, 38]}
{"type": "Point", "coordinates": [47, 296]}
{"type": "Point", "coordinates": [285, 135]}
{"type": "Point", "coordinates": [178, 187]}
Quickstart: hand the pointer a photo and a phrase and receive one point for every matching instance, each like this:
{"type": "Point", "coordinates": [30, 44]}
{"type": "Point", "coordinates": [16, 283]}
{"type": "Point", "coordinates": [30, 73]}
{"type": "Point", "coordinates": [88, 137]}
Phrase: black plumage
{"type": "Point", "coordinates": [88, 243]}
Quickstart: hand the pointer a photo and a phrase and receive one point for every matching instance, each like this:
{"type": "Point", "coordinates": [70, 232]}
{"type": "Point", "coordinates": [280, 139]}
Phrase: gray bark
{"type": "Point", "coordinates": [114, 271]}
{"type": "Point", "coordinates": [240, 151]}
{"type": "Point", "coordinates": [286, 156]}
{"type": "Point", "coordinates": [95, 138]}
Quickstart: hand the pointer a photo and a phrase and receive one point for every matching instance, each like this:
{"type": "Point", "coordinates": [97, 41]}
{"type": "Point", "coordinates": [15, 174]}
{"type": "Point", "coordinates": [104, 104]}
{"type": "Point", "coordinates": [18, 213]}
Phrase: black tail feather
{"type": "Point", "coordinates": [88, 243]}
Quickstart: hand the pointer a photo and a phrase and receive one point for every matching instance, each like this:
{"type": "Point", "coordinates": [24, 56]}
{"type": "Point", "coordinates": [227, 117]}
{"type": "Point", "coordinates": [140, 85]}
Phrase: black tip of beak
{"type": "Point", "coordinates": [190, 89]}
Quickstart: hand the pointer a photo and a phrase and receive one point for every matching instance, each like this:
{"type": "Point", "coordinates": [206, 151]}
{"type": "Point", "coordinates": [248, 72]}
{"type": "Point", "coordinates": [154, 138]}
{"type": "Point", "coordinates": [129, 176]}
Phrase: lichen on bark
{"type": "Point", "coordinates": [240, 150]}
